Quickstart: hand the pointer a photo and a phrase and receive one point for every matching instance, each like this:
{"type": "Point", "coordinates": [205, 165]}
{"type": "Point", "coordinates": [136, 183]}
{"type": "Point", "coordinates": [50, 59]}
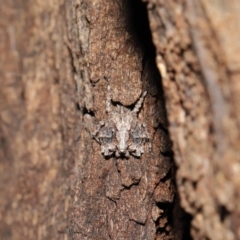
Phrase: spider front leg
{"type": "Point", "coordinates": [132, 147]}
{"type": "Point", "coordinates": [139, 103]}
{"type": "Point", "coordinates": [104, 150]}
{"type": "Point", "coordinates": [107, 150]}
{"type": "Point", "coordinates": [111, 148]}
{"type": "Point", "coordinates": [108, 99]}
{"type": "Point", "coordinates": [106, 140]}
{"type": "Point", "coordinates": [98, 127]}
{"type": "Point", "coordinates": [105, 137]}
{"type": "Point", "coordinates": [134, 150]}
{"type": "Point", "coordinates": [137, 153]}
{"type": "Point", "coordinates": [127, 154]}
{"type": "Point", "coordinates": [117, 154]}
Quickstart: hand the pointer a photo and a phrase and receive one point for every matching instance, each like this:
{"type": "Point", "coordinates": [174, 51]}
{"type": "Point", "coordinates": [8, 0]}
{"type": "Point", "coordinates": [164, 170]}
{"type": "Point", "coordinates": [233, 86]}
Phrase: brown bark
{"type": "Point", "coordinates": [55, 56]}
{"type": "Point", "coordinates": [197, 46]}
{"type": "Point", "coordinates": [119, 198]}
{"type": "Point", "coordinates": [55, 184]}
{"type": "Point", "coordinates": [38, 121]}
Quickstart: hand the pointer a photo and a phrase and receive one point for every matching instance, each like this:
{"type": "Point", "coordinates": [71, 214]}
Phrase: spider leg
{"type": "Point", "coordinates": [127, 154]}
{"type": "Point", "coordinates": [108, 99]}
{"type": "Point", "coordinates": [117, 154]}
{"type": "Point", "coordinates": [139, 103]}
{"type": "Point", "coordinates": [99, 125]}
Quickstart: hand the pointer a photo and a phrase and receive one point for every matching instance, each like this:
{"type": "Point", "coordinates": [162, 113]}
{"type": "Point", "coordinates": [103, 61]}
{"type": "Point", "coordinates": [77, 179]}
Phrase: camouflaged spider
{"type": "Point", "coordinates": [123, 133]}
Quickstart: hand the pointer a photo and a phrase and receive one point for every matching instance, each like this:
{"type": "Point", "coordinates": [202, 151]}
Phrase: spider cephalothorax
{"type": "Point", "coordinates": [123, 133]}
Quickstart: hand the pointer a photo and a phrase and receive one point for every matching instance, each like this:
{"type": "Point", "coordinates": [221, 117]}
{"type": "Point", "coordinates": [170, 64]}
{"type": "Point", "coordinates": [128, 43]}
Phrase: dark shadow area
{"type": "Point", "coordinates": [137, 25]}
{"type": "Point", "coordinates": [181, 221]}
{"type": "Point", "coordinates": [223, 212]}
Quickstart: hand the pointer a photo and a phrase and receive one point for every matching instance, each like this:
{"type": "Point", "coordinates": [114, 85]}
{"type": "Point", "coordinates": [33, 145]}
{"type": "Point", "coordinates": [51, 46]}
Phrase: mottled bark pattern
{"type": "Point", "coordinates": [55, 58]}
{"type": "Point", "coordinates": [117, 198]}
{"type": "Point", "coordinates": [37, 121]}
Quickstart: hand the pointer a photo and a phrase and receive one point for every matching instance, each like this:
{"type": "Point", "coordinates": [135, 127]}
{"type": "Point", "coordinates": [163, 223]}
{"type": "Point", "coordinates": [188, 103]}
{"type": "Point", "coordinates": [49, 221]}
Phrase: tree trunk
{"type": "Point", "coordinates": [57, 60]}
{"type": "Point", "coordinates": [197, 45]}
{"type": "Point", "coordinates": [119, 198]}
{"type": "Point", "coordinates": [38, 121]}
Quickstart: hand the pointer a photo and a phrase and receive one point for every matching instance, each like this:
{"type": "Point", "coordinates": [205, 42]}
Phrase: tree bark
{"type": "Point", "coordinates": [55, 182]}
{"type": "Point", "coordinates": [197, 44]}
{"type": "Point", "coordinates": [55, 59]}
{"type": "Point", "coordinates": [119, 198]}
{"type": "Point", "coordinates": [38, 121]}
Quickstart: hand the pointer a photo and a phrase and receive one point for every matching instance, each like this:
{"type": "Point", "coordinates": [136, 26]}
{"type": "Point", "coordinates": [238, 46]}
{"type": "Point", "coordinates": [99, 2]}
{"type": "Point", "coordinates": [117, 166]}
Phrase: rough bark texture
{"type": "Point", "coordinates": [118, 198]}
{"type": "Point", "coordinates": [197, 46]}
{"type": "Point", "coordinates": [55, 56]}
{"type": "Point", "coordinates": [55, 184]}
{"type": "Point", "coordinates": [38, 121]}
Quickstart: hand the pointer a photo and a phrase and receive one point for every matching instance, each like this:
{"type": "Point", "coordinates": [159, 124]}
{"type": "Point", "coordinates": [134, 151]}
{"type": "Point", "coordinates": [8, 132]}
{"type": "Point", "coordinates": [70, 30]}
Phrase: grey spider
{"type": "Point", "coordinates": [123, 133]}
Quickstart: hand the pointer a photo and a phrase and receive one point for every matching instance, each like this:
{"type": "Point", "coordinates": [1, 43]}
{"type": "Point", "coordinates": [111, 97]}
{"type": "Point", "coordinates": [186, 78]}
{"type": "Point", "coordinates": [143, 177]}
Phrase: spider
{"type": "Point", "coordinates": [122, 133]}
